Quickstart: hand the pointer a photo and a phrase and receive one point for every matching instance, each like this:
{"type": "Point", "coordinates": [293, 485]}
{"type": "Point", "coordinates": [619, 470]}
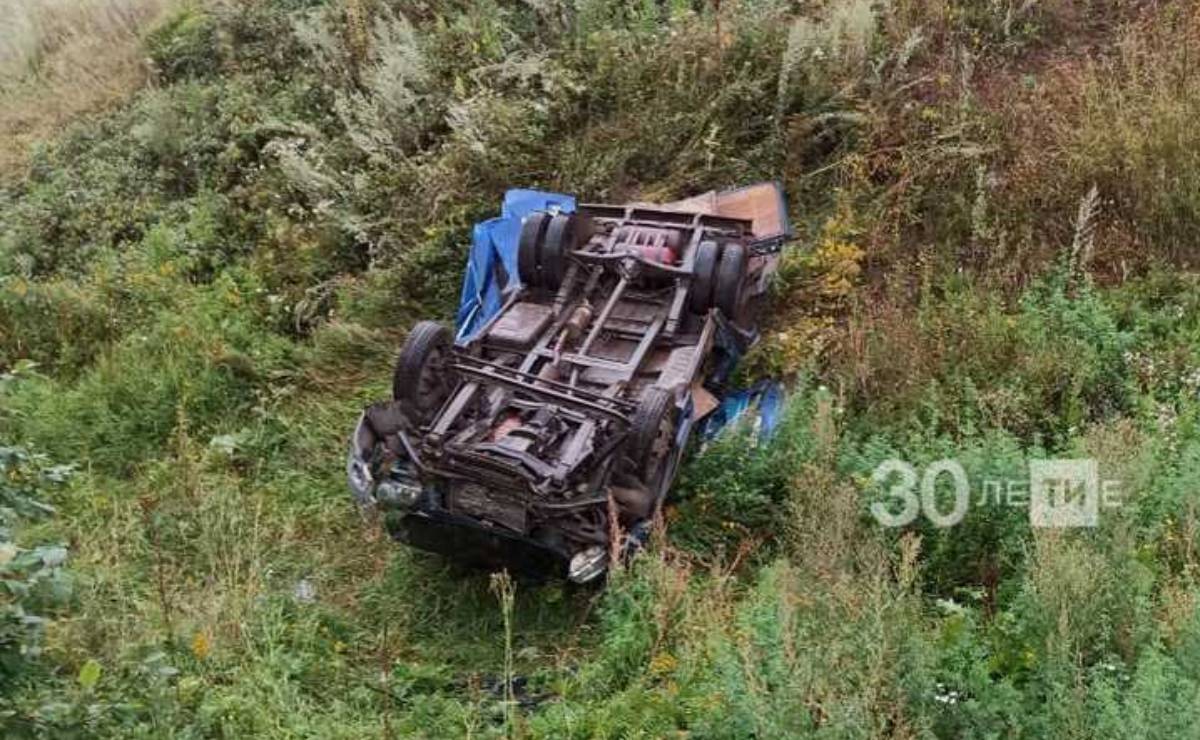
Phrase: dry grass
{"type": "Point", "coordinates": [1118, 116]}
{"type": "Point", "coordinates": [63, 58]}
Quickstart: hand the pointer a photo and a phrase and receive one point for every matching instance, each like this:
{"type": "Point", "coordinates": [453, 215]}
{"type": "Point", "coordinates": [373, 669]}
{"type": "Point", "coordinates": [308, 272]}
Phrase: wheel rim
{"type": "Point", "coordinates": [431, 382]}
{"type": "Point", "coordinates": [660, 449]}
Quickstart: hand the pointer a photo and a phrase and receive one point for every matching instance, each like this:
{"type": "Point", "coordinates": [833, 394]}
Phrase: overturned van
{"type": "Point", "coordinates": [544, 433]}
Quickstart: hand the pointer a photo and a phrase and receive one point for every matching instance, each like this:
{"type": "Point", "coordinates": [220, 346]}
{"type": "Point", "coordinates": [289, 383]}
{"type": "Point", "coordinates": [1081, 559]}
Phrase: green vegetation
{"type": "Point", "coordinates": [202, 282]}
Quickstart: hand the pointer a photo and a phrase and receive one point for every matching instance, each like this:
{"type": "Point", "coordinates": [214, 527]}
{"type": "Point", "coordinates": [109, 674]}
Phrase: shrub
{"type": "Point", "coordinates": [737, 486]}
{"type": "Point", "coordinates": [184, 44]}
{"type": "Point", "coordinates": [199, 367]}
{"type": "Point", "coordinates": [33, 581]}
{"type": "Point", "coordinates": [59, 324]}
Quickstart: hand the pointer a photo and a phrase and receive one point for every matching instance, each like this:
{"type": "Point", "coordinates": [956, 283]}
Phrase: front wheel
{"type": "Point", "coordinates": [651, 434]}
{"type": "Point", "coordinates": [422, 380]}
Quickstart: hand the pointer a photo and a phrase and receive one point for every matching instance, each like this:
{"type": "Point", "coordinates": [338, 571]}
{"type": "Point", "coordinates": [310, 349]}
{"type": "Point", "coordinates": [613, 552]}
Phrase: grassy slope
{"type": "Point", "coordinates": [198, 291]}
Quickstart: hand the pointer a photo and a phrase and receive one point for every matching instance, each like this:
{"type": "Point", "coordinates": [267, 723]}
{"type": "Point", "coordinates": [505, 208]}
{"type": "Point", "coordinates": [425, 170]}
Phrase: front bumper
{"type": "Point", "coordinates": [412, 514]}
{"type": "Point", "coordinates": [469, 542]}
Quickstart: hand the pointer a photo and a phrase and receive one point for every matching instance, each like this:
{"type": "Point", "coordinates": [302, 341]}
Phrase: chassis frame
{"type": "Point", "coordinates": [536, 459]}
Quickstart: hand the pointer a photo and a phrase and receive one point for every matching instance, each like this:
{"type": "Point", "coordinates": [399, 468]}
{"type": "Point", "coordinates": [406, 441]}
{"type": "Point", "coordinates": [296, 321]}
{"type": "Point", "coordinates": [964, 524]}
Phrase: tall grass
{"type": "Point", "coordinates": [1120, 120]}
{"type": "Point", "coordinates": [60, 58]}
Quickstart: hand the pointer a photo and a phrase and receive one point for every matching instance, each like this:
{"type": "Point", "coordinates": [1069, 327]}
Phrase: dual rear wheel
{"type": "Point", "coordinates": [547, 240]}
{"type": "Point", "coordinates": [545, 243]}
{"type": "Point", "coordinates": [717, 277]}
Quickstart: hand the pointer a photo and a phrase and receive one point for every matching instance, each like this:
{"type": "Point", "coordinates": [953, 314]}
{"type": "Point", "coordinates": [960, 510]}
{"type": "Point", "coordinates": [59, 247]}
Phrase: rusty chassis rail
{"type": "Point", "coordinates": [566, 394]}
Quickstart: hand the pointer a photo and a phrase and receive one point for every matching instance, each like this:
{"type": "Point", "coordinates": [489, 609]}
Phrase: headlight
{"type": "Point", "coordinates": [588, 564]}
{"type": "Point", "coordinates": [392, 494]}
{"type": "Point", "coordinates": [358, 472]}
{"type": "Point", "coordinates": [358, 475]}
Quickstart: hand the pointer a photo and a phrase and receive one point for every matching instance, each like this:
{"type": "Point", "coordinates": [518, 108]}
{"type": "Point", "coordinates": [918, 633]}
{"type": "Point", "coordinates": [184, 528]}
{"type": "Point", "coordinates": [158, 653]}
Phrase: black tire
{"type": "Point", "coordinates": [533, 230]}
{"type": "Point", "coordinates": [703, 274]}
{"type": "Point", "coordinates": [421, 382]}
{"type": "Point", "coordinates": [651, 432]}
{"type": "Point", "coordinates": [552, 257]}
{"type": "Point", "coordinates": [727, 286]}
{"type": "Point", "coordinates": [562, 236]}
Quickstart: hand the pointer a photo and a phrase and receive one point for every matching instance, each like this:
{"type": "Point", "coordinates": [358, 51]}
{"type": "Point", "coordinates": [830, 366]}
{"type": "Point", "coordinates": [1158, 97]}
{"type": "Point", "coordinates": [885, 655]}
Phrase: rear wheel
{"type": "Point", "coordinates": [422, 381]}
{"type": "Point", "coordinates": [727, 286]}
{"type": "Point", "coordinates": [533, 229]}
{"type": "Point", "coordinates": [703, 273]}
{"type": "Point", "coordinates": [564, 234]}
{"type": "Point", "coordinates": [651, 434]}
{"type": "Point", "coordinates": [545, 244]}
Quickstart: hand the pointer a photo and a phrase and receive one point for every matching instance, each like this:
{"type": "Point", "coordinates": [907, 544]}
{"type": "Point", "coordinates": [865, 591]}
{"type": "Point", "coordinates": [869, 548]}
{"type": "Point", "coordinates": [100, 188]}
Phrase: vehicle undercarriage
{"type": "Point", "coordinates": [546, 440]}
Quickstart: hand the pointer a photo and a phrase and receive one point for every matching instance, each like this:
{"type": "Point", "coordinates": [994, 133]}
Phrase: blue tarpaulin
{"type": "Point", "coordinates": [765, 398]}
{"type": "Point", "coordinates": [492, 265]}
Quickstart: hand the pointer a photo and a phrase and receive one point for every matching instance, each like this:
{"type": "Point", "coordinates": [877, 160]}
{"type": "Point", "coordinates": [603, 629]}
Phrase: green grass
{"type": "Point", "coordinates": [201, 288]}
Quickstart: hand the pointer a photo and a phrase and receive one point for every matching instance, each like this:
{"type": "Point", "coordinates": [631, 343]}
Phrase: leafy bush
{"type": "Point", "coordinates": [33, 582]}
{"type": "Point", "coordinates": [60, 324]}
{"type": "Point", "coordinates": [196, 368]}
{"type": "Point", "coordinates": [738, 485]}
{"type": "Point", "coordinates": [184, 44]}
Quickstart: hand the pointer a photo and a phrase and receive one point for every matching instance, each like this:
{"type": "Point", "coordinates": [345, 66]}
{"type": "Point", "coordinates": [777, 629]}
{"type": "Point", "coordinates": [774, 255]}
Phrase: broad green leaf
{"type": "Point", "coordinates": [89, 674]}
